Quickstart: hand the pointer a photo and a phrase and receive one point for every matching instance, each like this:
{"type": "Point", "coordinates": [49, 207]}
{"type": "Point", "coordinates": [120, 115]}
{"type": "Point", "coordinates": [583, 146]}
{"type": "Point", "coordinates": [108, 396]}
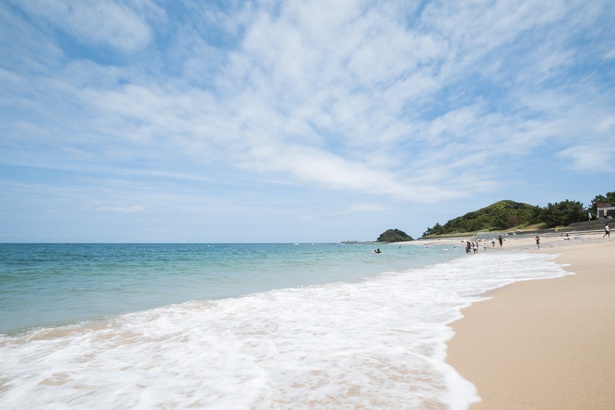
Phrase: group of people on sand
{"type": "Point", "coordinates": [500, 241]}
{"type": "Point", "coordinates": [607, 232]}
{"type": "Point", "coordinates": [473, 247]}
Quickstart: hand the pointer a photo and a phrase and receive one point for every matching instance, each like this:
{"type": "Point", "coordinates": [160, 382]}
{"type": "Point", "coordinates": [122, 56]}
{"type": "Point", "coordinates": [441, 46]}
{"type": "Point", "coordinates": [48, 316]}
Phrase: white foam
{"type": "Point", "coordinates": [379, 343]}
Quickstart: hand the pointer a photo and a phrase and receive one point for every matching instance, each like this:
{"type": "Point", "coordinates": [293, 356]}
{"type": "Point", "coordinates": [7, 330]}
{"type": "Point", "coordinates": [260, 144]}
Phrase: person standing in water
{"type": "Point", "coordinates": [538, 241]}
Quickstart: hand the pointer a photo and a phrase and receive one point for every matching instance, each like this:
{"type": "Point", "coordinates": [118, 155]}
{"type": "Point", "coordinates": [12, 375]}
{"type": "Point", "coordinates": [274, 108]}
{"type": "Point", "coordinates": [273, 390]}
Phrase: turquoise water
{"type": "Point", "coordinates": [240, 326]}
{"type": "Point", "coordinates": [53, 284]}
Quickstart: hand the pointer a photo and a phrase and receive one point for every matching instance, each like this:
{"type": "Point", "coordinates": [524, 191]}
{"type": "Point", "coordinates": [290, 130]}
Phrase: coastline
{"type": "Point", "coordinates": [545, 343]}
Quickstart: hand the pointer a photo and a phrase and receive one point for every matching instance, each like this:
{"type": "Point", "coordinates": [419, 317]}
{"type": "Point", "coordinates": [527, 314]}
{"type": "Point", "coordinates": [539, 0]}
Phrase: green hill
{"type": "Point", "coordinates": [394, 235]}
{"type": "Point", "coordinates": [498, 216]}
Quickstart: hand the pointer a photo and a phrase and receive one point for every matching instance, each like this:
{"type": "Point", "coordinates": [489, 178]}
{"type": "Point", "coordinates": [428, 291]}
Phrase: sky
{"type": "Point", "coordinates": [296, 121]}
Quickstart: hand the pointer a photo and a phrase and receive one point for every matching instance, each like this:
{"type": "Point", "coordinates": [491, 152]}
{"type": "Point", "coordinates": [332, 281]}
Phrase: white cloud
{"type": "Point", "coordinates": [365, 207]}
{"type": "Point", "coordinates": [102, 22]}
{"type": "Point", "coordinates": [123, 208]}
{"type": "Point", "coordinates": [327, 97]}
{"type": "Point", "coordinates": [356, 98]}
{"type": "Point", "coordinates": [591, 159]}
{"type": "Point", "coordinates": [606, 124]}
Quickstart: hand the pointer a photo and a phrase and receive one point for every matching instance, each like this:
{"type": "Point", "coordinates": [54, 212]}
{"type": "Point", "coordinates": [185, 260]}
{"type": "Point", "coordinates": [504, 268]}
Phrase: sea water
{"type": "Point", "coordinates": [240, 326]}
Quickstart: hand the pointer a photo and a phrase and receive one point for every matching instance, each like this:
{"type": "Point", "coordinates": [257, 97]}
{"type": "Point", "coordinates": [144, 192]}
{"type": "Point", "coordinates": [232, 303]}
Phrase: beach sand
{"type": "Point", "coordinates": [545, 344]}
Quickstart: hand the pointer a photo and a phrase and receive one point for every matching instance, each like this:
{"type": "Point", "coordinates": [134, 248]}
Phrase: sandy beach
{"type": "Point", "coordinates": [545, 344]}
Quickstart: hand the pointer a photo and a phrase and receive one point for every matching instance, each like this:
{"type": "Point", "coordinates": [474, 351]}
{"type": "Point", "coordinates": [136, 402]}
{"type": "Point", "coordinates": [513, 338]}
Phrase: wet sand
{"type": "Point", "coordinates": [545, 344]}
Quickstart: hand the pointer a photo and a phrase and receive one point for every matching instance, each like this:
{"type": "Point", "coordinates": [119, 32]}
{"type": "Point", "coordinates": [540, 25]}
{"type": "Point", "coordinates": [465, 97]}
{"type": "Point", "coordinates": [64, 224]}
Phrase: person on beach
{"type": "Point", "coordinates": [500, 239]}
{"type": "Point", "coordinates": [493, 242]}
{"type": "Point", "coordinates": [468, 246]}
{"type": "Point", "coordinates": [485, 245]}
{"type": "Point", "coordinates": [607, 231]}
{"type": "Point", "coordinates": [538, 241]}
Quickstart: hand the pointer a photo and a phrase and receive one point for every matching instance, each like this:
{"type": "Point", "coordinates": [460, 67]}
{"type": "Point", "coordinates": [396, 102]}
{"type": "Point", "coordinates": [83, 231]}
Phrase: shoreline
{"type": "Point", "coordinates": [544, 343]}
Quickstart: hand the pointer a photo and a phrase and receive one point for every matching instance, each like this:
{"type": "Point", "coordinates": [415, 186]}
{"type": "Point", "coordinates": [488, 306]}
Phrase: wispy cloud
{"type": "Point", "coordinates": [123, 208]}
{"type": "Point", "coordinates": [102, 22]}
{"type": "Point", "coordinates": [406, 102]}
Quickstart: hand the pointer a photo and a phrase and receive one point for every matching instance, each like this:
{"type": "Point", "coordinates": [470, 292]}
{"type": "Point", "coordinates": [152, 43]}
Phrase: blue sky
{"type": "Point", "coordinates": [296, 121]}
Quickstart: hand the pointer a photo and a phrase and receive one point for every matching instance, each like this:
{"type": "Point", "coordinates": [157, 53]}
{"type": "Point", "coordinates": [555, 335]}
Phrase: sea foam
{"type": "Point", "coordinates": [377, 343]}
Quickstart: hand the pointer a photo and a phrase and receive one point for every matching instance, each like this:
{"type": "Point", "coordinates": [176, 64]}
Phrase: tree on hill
{"type": "Point", "coordinates": [509, 214]}
{"type": "Point", "coordinates": [498, 216]}
{"type": "Point", "coordinates": [394, 235]}
{"type": "Point", "coordinates": [563, 213]}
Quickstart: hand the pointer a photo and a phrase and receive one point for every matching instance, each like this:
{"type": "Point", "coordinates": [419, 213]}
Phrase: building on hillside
{"type": "Point", "coordinates": [605, 209]}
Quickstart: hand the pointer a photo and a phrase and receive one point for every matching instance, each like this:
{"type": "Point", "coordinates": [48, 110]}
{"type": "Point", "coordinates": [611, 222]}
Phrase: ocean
{"type": "Point", "coordinates": [241, 326]}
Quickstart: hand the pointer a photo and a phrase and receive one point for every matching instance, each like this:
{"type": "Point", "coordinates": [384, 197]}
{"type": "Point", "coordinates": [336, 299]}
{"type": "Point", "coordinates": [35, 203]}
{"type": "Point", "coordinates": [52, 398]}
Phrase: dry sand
{"type": "Point", "coordinates": [545, 344]}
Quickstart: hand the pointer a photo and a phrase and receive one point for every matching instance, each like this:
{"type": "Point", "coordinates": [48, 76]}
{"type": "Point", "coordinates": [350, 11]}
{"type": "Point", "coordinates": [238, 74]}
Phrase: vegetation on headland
{"type": "Point", "coordinates": [498, 216]}
{"type": "Point", "coordinates": [508, 214]}
{"type": "Point", "coordinates": [394, 235]}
